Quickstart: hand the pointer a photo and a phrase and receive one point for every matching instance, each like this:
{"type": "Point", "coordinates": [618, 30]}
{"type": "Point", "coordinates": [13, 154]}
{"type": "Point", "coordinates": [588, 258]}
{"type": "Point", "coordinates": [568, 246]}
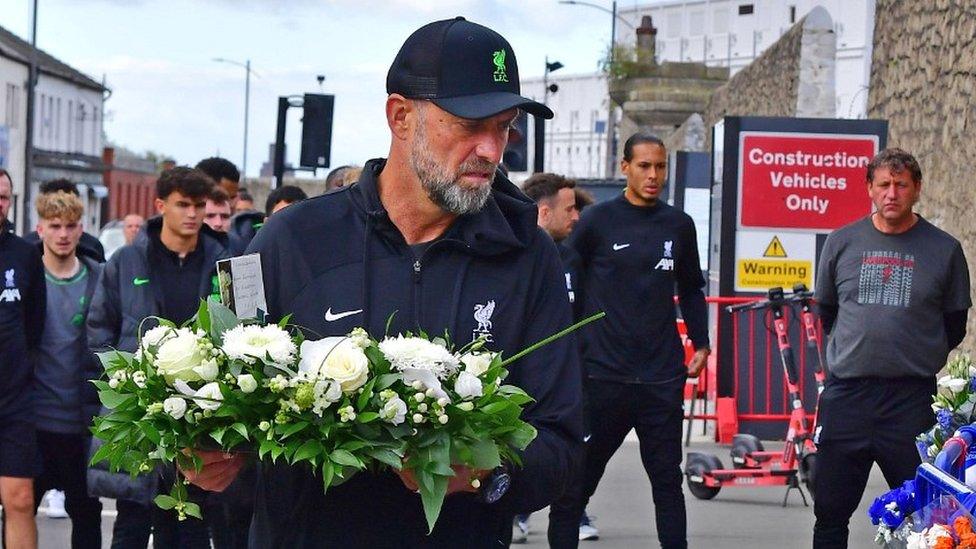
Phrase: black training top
{"type": "Point", "coordinates": [634, 261]}
{"type": "Point", "coordinates": [22, 309]}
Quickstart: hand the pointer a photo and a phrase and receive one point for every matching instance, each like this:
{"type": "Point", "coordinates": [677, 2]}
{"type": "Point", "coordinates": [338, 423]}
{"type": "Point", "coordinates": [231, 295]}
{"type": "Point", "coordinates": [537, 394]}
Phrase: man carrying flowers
{"type": "Point", "coordinates": [165, 273]}
{"type": "Point", "coordinates": [436, 237]}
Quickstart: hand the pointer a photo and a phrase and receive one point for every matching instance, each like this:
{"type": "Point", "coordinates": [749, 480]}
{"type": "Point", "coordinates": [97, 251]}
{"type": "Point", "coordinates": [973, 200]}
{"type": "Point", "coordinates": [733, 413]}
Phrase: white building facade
{"type": "Point", "coordinates": [725, 33]}
{"type": "Point", "coordinates": [67, 129]}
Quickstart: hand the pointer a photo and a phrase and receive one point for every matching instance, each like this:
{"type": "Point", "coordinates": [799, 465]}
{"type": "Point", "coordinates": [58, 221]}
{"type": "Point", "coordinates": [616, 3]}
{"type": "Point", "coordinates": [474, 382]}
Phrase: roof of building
{"type": "Point", "coordinates": [13, 47]}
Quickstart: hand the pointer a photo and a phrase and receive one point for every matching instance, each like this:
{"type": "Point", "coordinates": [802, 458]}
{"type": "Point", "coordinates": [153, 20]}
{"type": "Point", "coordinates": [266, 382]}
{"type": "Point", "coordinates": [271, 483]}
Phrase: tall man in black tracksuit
{"type": "Point", "coordinates": [22, 303]}
{"type": "Point", "coordinates": [64, 398]}
{"type": "Point", "coordinates": [893, 292]}
{"type": "Point", "coordinates": [433, 233]}
{"type": "Point", "coordinates": [165, 273]}
{"type": "Point", "coordinates": [637, 251]}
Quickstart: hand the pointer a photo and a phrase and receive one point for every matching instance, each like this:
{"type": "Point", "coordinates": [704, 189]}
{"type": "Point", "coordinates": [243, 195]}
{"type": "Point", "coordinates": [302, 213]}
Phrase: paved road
{"type": "Point", "coordinates": [736, 518]}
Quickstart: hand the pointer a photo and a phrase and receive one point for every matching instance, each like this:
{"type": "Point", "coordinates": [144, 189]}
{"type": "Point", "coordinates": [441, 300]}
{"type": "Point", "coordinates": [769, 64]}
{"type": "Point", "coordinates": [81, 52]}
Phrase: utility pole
{"type": "Point", "coordinates": [29, 126]}
{"type": "Point", "coordinates": [611, 168]}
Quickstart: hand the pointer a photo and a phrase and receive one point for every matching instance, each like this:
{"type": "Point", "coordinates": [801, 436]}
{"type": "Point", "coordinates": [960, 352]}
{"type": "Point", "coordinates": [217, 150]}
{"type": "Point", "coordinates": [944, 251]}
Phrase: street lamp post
{"type": "Point", "coordinates": [540, 123]}
{"type": "Point", "coordinates": [247, 101]}
{"type": "Point", "coordinates": [610, 169]}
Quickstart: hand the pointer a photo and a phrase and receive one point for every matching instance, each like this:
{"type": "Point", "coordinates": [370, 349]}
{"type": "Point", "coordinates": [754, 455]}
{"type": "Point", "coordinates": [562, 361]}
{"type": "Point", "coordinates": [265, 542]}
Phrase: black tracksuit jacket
{"type": "Point", "coordinates": [336, 262]}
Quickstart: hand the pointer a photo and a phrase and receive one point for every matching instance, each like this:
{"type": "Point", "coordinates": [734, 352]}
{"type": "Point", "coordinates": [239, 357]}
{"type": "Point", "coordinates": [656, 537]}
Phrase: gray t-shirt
{"type": "Point", "coordinates": [891, 291]}
{"type": "Point", "coordinates": [59, 375]}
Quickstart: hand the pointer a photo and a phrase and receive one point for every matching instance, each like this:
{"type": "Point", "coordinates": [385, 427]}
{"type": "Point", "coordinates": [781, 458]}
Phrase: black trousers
{"type": "Point", "coordinates": [64, 462]}
{"type": "Point", "coordinates": [655, 411]}
{"type": "Point", "coordinates": [864, 421]}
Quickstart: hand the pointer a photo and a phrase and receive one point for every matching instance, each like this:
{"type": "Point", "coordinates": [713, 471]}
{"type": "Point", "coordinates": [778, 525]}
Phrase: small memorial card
{"type": "Point", "coordinates": [242, 286]}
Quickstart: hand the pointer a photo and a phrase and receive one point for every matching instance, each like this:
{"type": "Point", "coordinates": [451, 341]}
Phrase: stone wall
{"type": "Point", "coordinates": [793, 77]}
{"type": "Point", "coordinates": [923, 81]}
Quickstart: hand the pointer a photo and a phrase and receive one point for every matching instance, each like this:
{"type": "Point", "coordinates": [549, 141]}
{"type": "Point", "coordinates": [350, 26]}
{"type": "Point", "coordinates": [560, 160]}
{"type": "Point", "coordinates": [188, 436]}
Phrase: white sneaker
{"type": "Point", "coordinates": [55, 504]}
{"type": "Point", "coordinates": [520, 531]}
{"type": "Point", "coordinates": [587, 531]}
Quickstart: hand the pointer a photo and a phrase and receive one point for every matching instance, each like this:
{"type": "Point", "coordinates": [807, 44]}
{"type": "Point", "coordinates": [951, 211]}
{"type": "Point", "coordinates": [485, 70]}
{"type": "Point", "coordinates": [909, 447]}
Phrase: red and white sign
{"type": "Point", "coordinates": [803, 181]}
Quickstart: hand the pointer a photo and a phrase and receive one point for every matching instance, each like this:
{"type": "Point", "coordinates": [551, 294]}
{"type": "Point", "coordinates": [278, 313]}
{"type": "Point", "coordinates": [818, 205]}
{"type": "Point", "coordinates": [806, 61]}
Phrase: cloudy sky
{"type": "Point", "coordinates": [169, 96]}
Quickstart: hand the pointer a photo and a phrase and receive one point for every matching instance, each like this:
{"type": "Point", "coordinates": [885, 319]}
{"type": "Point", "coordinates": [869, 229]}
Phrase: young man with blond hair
{"type": "Point", "coordinates": [64, 401]}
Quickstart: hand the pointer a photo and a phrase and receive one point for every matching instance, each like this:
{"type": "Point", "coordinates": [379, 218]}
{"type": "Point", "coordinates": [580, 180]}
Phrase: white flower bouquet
{"type": "Point", "coordinates": [954, 405]}
{"type": "Point", "coordinates": [338, 405]}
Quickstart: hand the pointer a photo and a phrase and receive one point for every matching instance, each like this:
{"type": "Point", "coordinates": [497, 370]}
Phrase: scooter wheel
{"type": "Point", "coordinates": [741, 446]}
{"type": "Point", "coordinates": [807, 473]}
{"type": "Point", "coordinates": [699, 465]}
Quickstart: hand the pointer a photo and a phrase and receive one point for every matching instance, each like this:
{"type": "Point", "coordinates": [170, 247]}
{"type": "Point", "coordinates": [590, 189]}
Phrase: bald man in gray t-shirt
{"type": "Point", "coordinates": [894, 294]}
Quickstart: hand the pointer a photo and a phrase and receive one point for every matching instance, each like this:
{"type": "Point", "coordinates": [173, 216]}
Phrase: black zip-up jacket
{"type": "Point", "coordinates": [634, 260]}
{"type": "Point", "coordinates": [243, 227]}
{"type": "Point", "coordinates": [336, 262]}
{"type": "Point", "coordinates": [22, 307]}
{"type": "Point", "coordinates": [125, 295]}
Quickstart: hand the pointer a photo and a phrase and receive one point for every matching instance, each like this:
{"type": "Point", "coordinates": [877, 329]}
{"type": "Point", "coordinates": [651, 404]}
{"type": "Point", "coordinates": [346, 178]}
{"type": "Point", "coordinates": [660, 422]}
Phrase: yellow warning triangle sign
{"type": "Point", "coordinates": [775, 248]}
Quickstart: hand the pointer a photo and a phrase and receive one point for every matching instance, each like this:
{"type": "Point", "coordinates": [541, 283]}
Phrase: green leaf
{"type": "Point", "coordinates": [266, 447]}
{"type": "Point", "coordinates": [113, 399]}
{"type": "Point", "coordinates": [218, 434]}
{"type": "Point", "coordinates": [151, 432]}
{"type": "Point", "coordinates": [289, 430]}
{"type": "Point", "coordinates": [221, 320]}
{"type": "Point", "coordinates": [367, 417]}
{"type": "Point", "coordinates": [385, 381]}
{"type": "Point", "coordinates": [387, 456]}
{"type": "Point", "coordinates": [242, 429]}
{"type": "Point", "coordinates": [363, 399]}
{"type": "Point", "coordinates": [102, 453]}
{"type": "Point", "coordinates": [192, 509]}
{"type": "Point", "coordinates": [523, 435]}
{"type": "Point", "coordinates": [484, 455]}
{"type": "Point", "coordinates": [308, 451]}
{"type": "Point", "coordinates": [433, 500]}
{"type": "Point", "coordinates": [328, 474]}
{"type": "Point", "coordinates": [203, 316]}
{"type": "Point", "coordinates": [344, 457]}
{"type": "Point", "coordinates": [165, 502]}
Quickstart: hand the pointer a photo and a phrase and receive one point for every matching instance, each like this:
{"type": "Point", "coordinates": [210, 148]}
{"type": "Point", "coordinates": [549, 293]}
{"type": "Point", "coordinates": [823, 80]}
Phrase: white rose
{"type": "Point", "coordinates": [207, 395]}
{"type": "Point", "coordinates": [468, 385]}
{"type": "Point", "coordinates": [208, 370]}
{"type": "Point", "coordinates": [155, 336]}
{"type": "Point", "coordinates": [247, 383]}
{"type": "Point", "coordinates": [345, 363]}
{"type": "Point", "coordinates": [314, 353]}
{"type": "Point", "coordinates": [178, 357]}
{"type": "Point", "coordinates": [476, 363]}
{"type": "Point", "coordinates": [394, 411]}
{"type": "Point", "coordinates": [174, 406]}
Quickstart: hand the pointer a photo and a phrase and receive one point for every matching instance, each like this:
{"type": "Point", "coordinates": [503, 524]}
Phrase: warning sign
{"type": "Point", "coordinates": [803, 181]}
{"type": "Point", "coordinates": [766, 259]}
{"type": "Point", "coordinates": [775, 248]}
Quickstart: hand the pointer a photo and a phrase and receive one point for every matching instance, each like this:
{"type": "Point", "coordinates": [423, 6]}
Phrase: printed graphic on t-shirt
{"type": "Point", "coordinates": [886, 279]}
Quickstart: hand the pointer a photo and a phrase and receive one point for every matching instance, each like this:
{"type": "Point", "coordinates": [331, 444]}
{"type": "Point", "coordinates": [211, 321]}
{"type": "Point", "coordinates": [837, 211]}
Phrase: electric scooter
{"type": "Point", "coordinates": [753, 465]}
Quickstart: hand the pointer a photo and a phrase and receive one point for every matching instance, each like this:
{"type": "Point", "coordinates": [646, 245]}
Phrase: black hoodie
{"type": "Point", "coordinates": [336, 262]}
{"type": "Point", "coordinates": [22, 307]}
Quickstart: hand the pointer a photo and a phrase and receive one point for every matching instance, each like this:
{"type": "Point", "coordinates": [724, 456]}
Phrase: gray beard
{"type": "Point", "coordinates": [441, 185]}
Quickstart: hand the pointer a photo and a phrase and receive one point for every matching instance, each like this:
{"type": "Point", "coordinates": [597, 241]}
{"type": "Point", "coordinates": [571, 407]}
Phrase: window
{"type": "Point", "coordinates": [696, 23]}
{"type": "Point", "coordinates": [69, 130]}
{"type": "Point", "coordinates": [674, 25]}
{"type": "Point", "coordinates": [746, 9]}
{"type": "Point", "coordinates": [57, 123]}
{"type": "Point", "coordinates": [12, 106]}
{"type": "Point", "coordinates": [792, 14]}
{"type": "Point", "coordinates": [720, 21]}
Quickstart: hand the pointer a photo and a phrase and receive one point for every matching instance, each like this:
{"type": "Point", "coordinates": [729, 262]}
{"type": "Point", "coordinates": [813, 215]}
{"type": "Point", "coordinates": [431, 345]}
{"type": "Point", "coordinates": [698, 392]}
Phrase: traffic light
{"type": "Point", "coordinates": [317, 130]}
{"type": "Point", "coordinates": [516, 156]}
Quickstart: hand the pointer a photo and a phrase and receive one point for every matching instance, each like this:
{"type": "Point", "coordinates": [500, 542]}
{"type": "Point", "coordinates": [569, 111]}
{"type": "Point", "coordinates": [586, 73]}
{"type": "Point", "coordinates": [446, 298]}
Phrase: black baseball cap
{"type": "Point", "coordinates": [462, 67]}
